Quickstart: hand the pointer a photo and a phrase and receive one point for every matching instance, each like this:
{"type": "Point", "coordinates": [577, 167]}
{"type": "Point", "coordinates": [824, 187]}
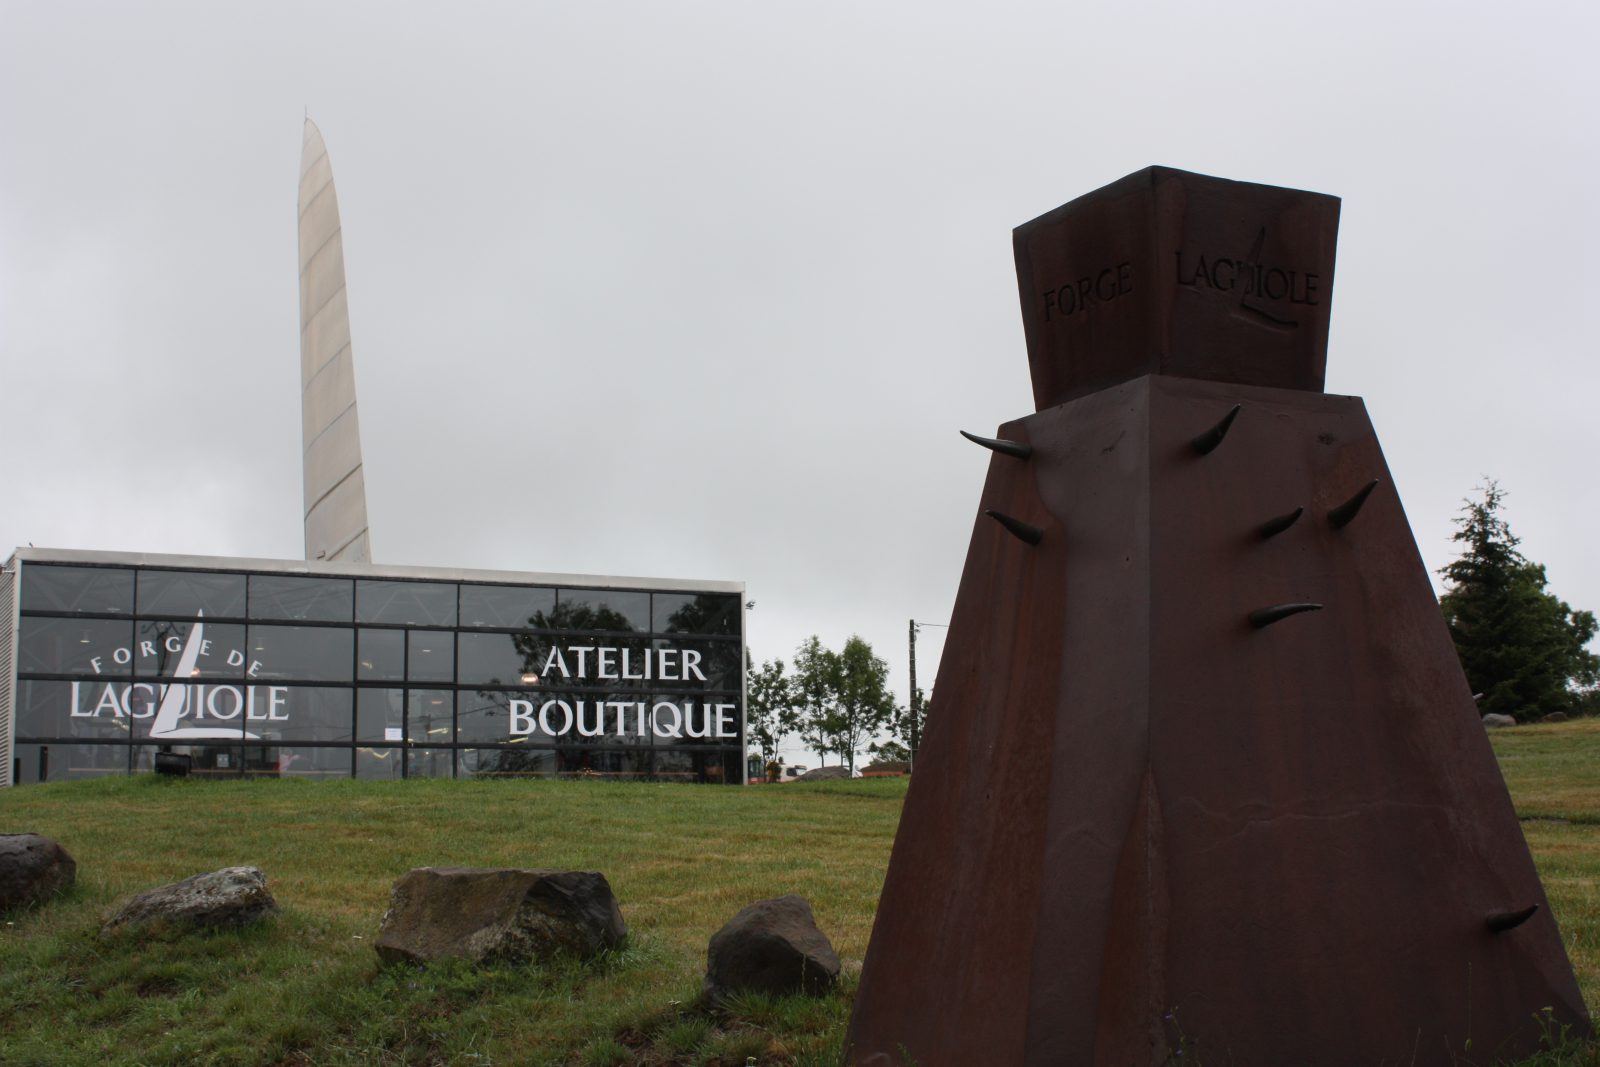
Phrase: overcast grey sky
{"type": "Point", "coordinates": [706, 290]}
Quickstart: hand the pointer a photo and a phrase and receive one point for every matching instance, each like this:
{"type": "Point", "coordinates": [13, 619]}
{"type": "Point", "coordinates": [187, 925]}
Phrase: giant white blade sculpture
{"type": "Point", "coordinates": [335, 491]}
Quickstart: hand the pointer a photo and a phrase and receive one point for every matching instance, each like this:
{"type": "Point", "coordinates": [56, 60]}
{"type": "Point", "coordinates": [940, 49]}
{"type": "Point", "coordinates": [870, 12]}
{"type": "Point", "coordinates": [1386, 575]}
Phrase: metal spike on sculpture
{"type": "Point", "coordinates": [335, 490]}
{"type": "Point", "coordinates": [1193, 784]}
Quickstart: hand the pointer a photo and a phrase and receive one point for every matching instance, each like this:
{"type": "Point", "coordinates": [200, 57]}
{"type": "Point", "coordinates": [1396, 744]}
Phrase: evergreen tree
{"type": "Point", "coordinates": [1521, 647]}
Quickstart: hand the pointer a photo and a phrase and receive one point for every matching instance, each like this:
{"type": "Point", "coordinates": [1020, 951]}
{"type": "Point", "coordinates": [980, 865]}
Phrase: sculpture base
{"type": "Point", "coordinates": [1140, 824]}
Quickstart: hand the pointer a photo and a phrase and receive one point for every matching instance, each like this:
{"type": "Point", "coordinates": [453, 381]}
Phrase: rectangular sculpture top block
{"type": "Point", "coordinates": [1168, 272]}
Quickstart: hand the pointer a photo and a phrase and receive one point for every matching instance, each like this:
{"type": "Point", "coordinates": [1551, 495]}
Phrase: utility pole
{"type": "Point", "coordinates": [915, 723]}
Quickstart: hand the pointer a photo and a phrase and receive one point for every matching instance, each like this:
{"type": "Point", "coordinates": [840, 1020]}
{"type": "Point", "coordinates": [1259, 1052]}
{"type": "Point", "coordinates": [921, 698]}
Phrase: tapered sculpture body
{"type": "Point", "coordinates": [1202, 772]}
{"type": "Point", "coordinates": [335, 491]}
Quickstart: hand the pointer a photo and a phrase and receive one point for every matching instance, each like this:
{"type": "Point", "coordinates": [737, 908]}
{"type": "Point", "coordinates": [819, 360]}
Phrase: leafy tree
{"type": "Point", "coordinates": [816, 687]}
{"type": "Point", "coordinates": [1522, 647]}
{"type": "Point", "coordinates": [865, 704]}
{"type": "Point", "coordinates": [890, 751]}
{"type": "Point", "coordinates": [770, 704]}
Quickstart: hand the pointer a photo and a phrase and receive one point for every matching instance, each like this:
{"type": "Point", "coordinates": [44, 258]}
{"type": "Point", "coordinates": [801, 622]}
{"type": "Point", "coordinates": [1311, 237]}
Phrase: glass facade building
{"type": "Point", "coordinates": [323, 670]}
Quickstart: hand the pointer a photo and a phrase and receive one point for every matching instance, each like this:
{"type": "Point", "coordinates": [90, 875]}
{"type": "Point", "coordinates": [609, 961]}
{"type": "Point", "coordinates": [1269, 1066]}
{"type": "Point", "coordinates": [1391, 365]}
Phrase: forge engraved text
{"type": "Point", "coordinates": [1101, 287]}
{"type": "Point", "coordinates": [1250, 278]}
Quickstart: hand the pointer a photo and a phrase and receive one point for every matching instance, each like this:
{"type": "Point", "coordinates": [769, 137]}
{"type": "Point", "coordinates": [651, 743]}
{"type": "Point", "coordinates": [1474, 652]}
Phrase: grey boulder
{"type": "Point", "coordinates": [498, 915]}
{"type": "Point", "coordinates": [231, 897]}
{"type": "Point", "coordinates": [772, 946]}
{"type": "Point", "coordinates": [1493, 721]}
{"type": "Point", "coordinates": [33, 868]}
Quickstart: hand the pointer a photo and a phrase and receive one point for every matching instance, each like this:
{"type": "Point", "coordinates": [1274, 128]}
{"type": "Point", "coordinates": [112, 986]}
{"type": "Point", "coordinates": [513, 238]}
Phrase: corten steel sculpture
{"type": "Point", "coordinates": [1202, 773]}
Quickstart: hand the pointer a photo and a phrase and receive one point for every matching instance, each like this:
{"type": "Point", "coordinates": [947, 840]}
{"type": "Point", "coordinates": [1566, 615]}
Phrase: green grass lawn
{"type": "Point", "coordinates": [307, 988]}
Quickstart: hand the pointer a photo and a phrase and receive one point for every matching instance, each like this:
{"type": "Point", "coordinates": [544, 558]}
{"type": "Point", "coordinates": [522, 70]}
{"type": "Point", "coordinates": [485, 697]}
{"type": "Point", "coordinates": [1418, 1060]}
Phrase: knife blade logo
{"type": "Point", "coordinates": [174, 697]}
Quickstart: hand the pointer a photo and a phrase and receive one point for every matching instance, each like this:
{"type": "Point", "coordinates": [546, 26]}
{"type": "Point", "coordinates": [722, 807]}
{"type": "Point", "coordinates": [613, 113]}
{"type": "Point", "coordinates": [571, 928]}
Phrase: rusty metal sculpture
{"type": "Point", "coordinates": [1198, 776]}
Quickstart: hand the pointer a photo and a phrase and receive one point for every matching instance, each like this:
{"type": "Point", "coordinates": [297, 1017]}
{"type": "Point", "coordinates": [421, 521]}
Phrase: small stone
{"type": "Point", "coordinates": [231, 897]}
{"type": "Point", "coordinates": [772, 946]}
{"type": "Point", "coordinates": [1494, 720]}
{"type": "Point", "coordinates": [499, 914]}
{"type": "Point", "coordinates": [1555, 716]}
{"type": "Point", "coordinates": [33, 868]}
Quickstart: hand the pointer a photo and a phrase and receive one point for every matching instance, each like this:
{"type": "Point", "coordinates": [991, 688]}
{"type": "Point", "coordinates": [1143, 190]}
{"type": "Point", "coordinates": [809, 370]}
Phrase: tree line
{"type": "Point", "coordinates": [837, 702]}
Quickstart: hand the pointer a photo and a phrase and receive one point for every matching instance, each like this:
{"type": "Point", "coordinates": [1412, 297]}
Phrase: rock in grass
{"type": "Point", "coordinates": [33, 868]}
{"type": "Point", "coordinates": [1493, 721]}
{"type": "Point", "coordinates": [498, 914]}
{"type": "Point", "coordinates": [231, 897]}
{"type": "Point", "coordinates": [772, 946]}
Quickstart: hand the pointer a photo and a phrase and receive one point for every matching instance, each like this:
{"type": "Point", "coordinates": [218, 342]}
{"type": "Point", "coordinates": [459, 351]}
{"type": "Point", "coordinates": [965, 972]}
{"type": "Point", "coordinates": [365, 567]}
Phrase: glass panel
{"type": "Point", "coordinates": [210, 649]}
{"type": "Point", "coordinates": [430, 717]}
{"type": "Point", "coordinates": [304, 762]}
{"type": "Point", "coordinates": [611, 662]}
{"type": "Point", "coordinates": [430, 763]}
{"type": "Point", "coordinates": [200, 710]}
{"type": "Point", "coordinates": [681, 720]}
{"type": "Point", "coordinates": [506, 763]}
{"type": "Point", "coordinates": [68, 763]}
{"type": "Point", "coordinates": [383, 656]}
{"type": "Point", "coordinates": [485, 717]}
{"type": "Point", "coordinates": [73, 709]}
{"type": "Point", "coordinates": [381, 715]}
{"type": "Point", "coordinates": [699, 664]}
{"type": "Point", "coordinates": [685, 765]}
{"type": "Point", "coordinates": [191, 593]}
{"type": "Point", "coordinates": [47, 587]}
{"type": "Point", "coordinates": [302, 653]}
{"type": "Point", "coordinates": [74, 646]}
{"type": "Point", "coordinates": [380, 763]}
{"type": "Point", "coordinates": [695, 613]}
{"type": "Point", "coordinates": [303, 713]}
{"type": "Point", "coordinates": [205, 761]}
{"type": "Point", "coordinates": [432, 656]}
{"type": "Point", "coordinates": [500, 659]}
{"type": "Point", "coordinates": [545, 718]}
{"type": "Point", "coordinates": [504, 605]}
{"type": "Point", "coordinates": [592, 763]}
{"type": "Point", "coordinates": [295, 597]}
{"type": "Point", "coordinates": [599, 609]}
{"type": "Point", "coordinates": [413, 603]}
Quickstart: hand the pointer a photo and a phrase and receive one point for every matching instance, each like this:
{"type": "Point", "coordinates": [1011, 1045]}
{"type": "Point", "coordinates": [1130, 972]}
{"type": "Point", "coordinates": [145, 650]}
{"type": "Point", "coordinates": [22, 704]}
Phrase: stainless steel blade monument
{"type": "Point", "coordinates": [1202, 774]}
{"type": "Point", "coordinates": [335, 489]}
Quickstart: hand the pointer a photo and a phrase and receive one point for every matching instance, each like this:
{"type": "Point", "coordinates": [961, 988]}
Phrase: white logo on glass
{"type": "Point", "coordinates": [175, 698]}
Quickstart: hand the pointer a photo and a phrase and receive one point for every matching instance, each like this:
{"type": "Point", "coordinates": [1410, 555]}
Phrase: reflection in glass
{"type": "Point", "coordinates": [303, 653]}
{"type": "Point", "coordinates": [432, 656]}
{"type": "Point", "coordinates": [170, 710]}
{"type": "Point", "coordinates": [304, 713]}
{"type": "Point", "coordinates": [88, 709]}
{"type": "Point", "coordinates": [68, 763]}
{"type": "Point", "coordinates": [380, 763]}
{"type": "Point", "coordinates": [485, 717]}
{"type": "Point", "coordinates": [51, 587]}
{"type": "Point", "coordinates": [598, 609]}
{"type": "Point", "coordinates": [306, 762]}
{"type": "Point", "coordinates": [695, 613]}
{"type": "Point", "coordinates": [506, 763]}
{"type": "Point", "coordinates": [210, 761]}
{"type": "Point", "coordinates": [218, 649]}
{"type": "Point", "coordinates": [414, 603]}
{"type": "Point", "coordinates": [430, 716]}
{"type": "Point", "coordinates": [382, 656]}
{"type": "Point", "coordinates": [497, 659]}
{"type": "Point", "coordinates": [295, 597]}
{"type": "Point", "coordinates": [381, 715]}
{"type": "Point", "coordinates": [191, 593]}
{"type": "Point", "coordinates": [74, 646]}
{"type": "Point", "coordinates": [430, 763]}
{"type": "Point", "coordinates": [504, 605]}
